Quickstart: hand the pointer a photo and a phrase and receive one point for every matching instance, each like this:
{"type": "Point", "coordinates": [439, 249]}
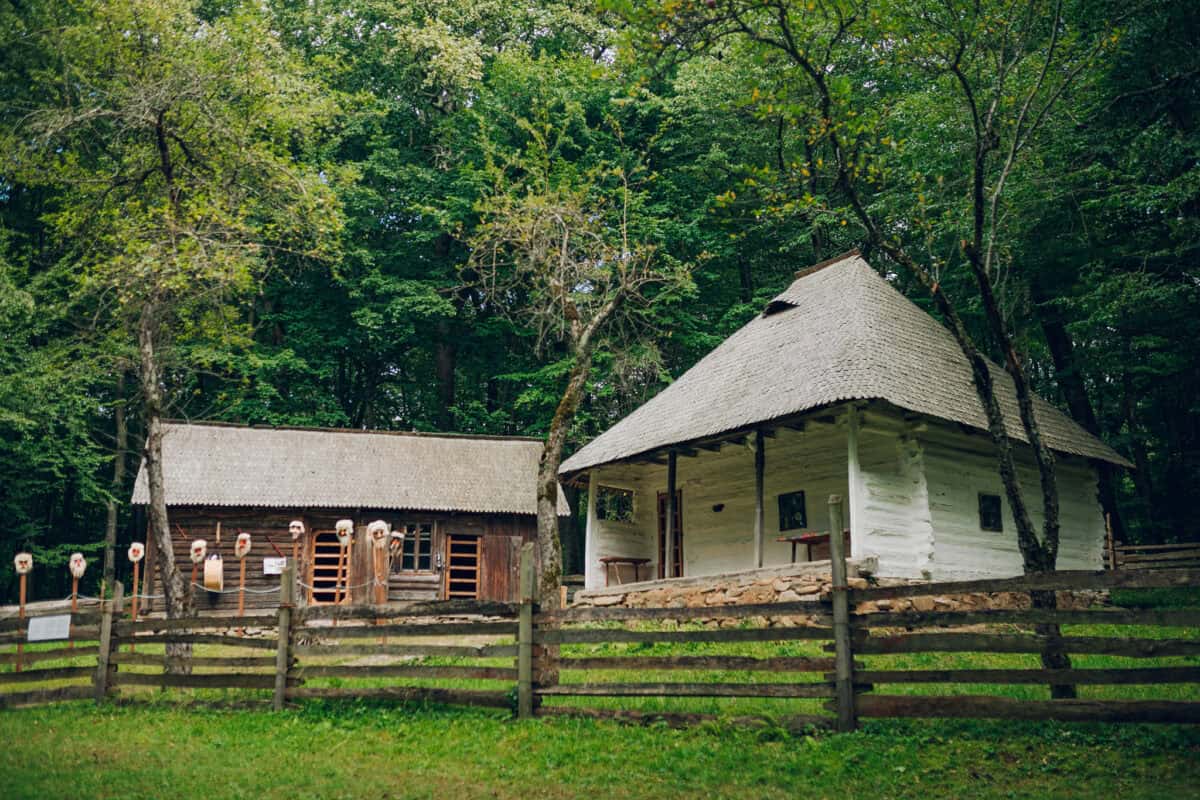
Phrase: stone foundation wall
{"type": "Point", "coordinates": [808, 581]}
{"type": "Point", "coordinates": [791, 583]}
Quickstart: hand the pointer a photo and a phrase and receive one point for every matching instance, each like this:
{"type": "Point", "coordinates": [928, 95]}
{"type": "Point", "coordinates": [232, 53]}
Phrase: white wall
{"type": "Point", "coordinates": [959, 467]}
{"type": "Point", "coordinates": [894, 521]}
{"type": "Point", "coordinates": [917, 496]}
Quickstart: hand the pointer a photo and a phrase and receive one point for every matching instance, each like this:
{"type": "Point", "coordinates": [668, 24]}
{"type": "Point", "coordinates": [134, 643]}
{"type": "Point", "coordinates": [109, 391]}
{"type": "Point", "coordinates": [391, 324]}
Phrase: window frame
{"type": "Point", "coordinates": [779, 502]}
{"type": "Point", "coordinates": [619, 491]}
{"type": "Point", "coordinates": [998, 512]}
{"type": "Point", "coordinates": [414, 534]}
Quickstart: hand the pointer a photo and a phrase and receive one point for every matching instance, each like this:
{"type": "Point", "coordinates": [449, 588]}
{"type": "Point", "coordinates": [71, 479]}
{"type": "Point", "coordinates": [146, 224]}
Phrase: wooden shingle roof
{"type": "Point", "coordinates": [216, 464]}
{"type": "Point", "coordinates": [840, 332]}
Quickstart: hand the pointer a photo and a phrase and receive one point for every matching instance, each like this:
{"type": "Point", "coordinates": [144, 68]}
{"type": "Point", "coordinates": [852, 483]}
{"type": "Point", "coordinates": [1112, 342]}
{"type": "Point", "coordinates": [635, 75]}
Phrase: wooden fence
{"type": "Point", "coordinates": [827, 663]}
{"type": "Point", "coordinates": [1181, 555]}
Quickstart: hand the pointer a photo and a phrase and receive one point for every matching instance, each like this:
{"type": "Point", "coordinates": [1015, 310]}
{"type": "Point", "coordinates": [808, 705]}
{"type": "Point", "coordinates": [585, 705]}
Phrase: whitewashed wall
{"type": "Point", "coordinates": [959, 467]}
{"type": "Point", "coordinates": [894, 523]}
{"type": "Point", "coordinates": [916, 506]}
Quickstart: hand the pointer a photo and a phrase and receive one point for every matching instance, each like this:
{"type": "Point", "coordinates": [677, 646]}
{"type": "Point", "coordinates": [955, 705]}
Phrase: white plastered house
{"type": "Point", "coordinates": [844, 387]}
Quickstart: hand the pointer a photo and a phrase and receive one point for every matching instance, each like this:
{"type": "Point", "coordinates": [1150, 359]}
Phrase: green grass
{"type": "Point", "coordinates": [365, 750]}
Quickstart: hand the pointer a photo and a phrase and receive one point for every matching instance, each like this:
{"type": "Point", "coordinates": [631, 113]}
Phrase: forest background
{"type": "Point", "coordinates": [326, 176]}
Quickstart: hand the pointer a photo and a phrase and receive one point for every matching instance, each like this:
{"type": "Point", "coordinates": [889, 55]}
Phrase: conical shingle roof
{"type": "Point", "coordinates": [839, 332]}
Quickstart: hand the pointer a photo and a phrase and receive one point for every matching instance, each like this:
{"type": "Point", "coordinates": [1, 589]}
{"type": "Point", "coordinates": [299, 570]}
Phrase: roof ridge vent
{"type": "Point", "coordinates": [804, 273]}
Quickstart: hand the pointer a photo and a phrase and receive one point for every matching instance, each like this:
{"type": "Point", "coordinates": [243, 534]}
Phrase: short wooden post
{"type": "Point", "coordinates": [847, 719]}
{"type": "Point", "coordinates": [525, 636]}
{"type": "Point", "coordinates": [74, 611]}
{"type": "Point", "coordinates": [134, 605]}
{"type": "Point", "coordinates": [21, 616]}
{"type": "Point", "coordinates": [108, 642]}
{"type": "Point", "coordinates": [283, 649]}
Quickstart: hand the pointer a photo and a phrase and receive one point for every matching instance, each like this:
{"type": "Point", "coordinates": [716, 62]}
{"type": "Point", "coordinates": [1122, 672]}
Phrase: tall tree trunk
{"type": "Point", "coordinates": [118, 482]}
{"type": "Point", "coordinates": [1141, 459]}
{"type": "Point", "coordinates": [446, 363]}
{"type": "Point", "coordinates": [177, 592]}
{"type": "Point", "coordinates": [549, 546]}
{"type": "Point", "coordinates": [1066, 372]}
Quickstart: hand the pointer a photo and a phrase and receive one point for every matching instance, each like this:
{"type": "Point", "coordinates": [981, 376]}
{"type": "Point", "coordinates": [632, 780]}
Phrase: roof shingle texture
{"type": "Point", "coordinates": [227, 465]}
{"type": "Point", "coordinates": [838, 333]}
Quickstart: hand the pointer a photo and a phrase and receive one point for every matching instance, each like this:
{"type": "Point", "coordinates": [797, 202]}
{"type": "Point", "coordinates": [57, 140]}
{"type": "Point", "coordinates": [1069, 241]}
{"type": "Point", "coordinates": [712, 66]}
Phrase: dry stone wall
{"type": "Point", "coordinates": [809, 582]}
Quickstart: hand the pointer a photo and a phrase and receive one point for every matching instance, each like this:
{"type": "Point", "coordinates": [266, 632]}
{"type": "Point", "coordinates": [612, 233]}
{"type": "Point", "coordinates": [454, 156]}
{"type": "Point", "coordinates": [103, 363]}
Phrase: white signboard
{"type": "Point", "coordinates": [49, 629]}
{"type": "Point", "coordinates": [274, 566]}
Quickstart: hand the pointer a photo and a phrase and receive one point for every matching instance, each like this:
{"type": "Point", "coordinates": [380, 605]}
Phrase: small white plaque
{"type": "Point", "coordinates": [274, 566]}
{"type": "Point", "coordinates": [49, 629]}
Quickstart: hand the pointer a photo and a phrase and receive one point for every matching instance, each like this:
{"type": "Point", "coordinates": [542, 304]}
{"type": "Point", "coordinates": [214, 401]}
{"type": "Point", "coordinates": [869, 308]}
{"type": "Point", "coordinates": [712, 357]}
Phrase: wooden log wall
{"type": "Point", "coordinates": [502, 536]}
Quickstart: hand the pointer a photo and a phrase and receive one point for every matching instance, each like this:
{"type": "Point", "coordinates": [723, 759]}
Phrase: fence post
{"type": "Point", "coordinates": [283, 647]}
{"type": "Point", "coordinates": [108, 641]}
{"type": "Point", "coordinates": [525, 636]}
{"type": "Point", "coordinates": [847, 719]}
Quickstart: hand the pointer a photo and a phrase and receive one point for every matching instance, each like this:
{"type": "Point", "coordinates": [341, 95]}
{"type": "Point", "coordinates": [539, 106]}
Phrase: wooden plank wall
{"type": "Point", "coordinates": [502, 534]}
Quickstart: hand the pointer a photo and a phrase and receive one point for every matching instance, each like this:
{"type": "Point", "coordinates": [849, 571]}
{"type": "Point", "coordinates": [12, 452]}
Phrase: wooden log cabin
{"type": "Point", "coordinates": [464, 503]}
{"type": "Point", "coordinates": [841, 386]}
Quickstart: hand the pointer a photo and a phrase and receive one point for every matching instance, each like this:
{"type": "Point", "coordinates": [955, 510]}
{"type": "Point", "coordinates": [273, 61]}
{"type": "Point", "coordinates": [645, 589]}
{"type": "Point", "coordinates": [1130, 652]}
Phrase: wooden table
{"type": "Point", "coordinates": [636, 563]}
{"type": "Point", "coordinates": [810, 538]}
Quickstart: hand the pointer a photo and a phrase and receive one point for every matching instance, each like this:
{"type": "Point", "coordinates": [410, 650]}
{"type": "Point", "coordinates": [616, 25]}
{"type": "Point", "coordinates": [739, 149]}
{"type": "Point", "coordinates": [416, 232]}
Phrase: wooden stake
{"type": "Point", "coordinates": [337, 579]}
{"type": "Point", "coordinates": [242, 592]}
{"type": "Point", "coordinates": [21, 615]}
{"type": "Point", "coordinates": [134, 606]}
{"type": "Point", "coordinates": [380, 556]}
{"type": "Point", "coordinates": [74, 608]}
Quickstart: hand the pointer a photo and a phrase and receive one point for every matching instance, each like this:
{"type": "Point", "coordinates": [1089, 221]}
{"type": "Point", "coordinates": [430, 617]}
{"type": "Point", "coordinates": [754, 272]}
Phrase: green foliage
{"type": "Point", "coordinates": [332, 166]}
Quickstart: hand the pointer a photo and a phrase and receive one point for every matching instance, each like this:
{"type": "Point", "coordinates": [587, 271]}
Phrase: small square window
{"type": "Point", "coordinates": [416, 553]}
{"type": "Point", "coordinates": [614, 505]}
{"type": "Point", "coordinates": [792, 515]}
{"type": "Point", "coordinates": [990, 517]}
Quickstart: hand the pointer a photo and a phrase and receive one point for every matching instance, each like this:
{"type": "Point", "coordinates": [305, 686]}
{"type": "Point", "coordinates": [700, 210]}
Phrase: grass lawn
{"type": "Point", "coordinates": [364, 750]}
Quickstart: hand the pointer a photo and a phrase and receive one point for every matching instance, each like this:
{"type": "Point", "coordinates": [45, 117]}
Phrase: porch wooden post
{"type": "Point", "coordinates": [854, 484]}
{"type": "Point", "coordinates": [760, 461]}
{"type": "Point", "coordinates": [525, 635]}
{"type": "Point", "coordinates": [669, 542]}
{"type": "Point", "coordinates": [847, 718]}
{"type": "Point", "coordinates": [283, 645]}
{"type": "Point", "coordinates": [591, 553]}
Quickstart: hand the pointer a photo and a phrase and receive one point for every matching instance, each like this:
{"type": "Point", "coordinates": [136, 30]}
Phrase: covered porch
{"type": "Point", "coordinates": [748, 500]}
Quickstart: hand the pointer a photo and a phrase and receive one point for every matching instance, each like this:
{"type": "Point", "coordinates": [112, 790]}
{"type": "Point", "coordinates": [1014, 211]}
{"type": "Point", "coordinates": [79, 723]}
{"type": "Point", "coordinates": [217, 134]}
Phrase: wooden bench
{"type": "Point", "coordinates": [810, 538]}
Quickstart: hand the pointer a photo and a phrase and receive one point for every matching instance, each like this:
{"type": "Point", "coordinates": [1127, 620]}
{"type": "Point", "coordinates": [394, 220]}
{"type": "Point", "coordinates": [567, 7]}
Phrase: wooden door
{"type": "Point", "coordinates": [464, 556]}
{"type": "Point", "coordinates": [677, 566]}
